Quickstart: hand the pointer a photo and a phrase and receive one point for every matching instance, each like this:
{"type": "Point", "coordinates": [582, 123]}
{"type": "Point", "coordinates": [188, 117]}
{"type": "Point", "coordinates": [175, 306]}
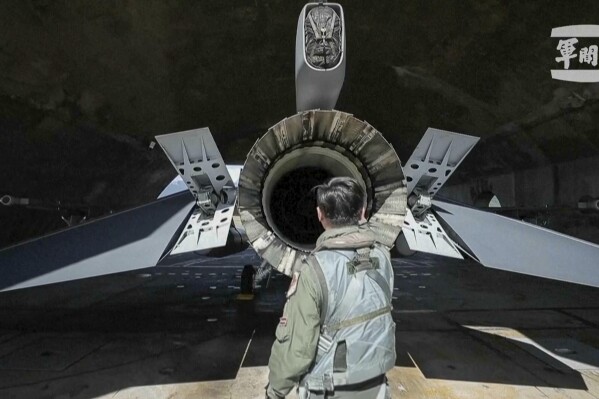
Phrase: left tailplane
{"type": "Point", "coordinates": [129, 240]}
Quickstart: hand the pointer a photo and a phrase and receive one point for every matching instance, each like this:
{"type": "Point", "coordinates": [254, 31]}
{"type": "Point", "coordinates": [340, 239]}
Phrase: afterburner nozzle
{"type": "Point", "coordinates": [276, 202]}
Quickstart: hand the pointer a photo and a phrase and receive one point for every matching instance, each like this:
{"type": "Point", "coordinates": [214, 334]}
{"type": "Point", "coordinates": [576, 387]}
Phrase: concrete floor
{"type": "Point", "coordinates": [177, 331]}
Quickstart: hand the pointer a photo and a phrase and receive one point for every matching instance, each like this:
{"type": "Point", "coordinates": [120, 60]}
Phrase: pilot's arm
{"type": "Point", "coordinates": [297, 335]}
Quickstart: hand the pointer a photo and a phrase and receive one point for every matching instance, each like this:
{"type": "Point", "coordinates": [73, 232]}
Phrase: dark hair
{"type": "Point", "coordinates": [341, 199]}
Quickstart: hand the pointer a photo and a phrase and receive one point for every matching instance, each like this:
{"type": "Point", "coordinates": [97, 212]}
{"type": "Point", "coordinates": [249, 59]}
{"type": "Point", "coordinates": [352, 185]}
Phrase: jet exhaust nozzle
{"type": "Point", "coordinates": [276, 200]}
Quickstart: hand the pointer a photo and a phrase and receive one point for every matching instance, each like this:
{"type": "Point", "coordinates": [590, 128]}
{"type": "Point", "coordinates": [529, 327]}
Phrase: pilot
{"type": "Point", "coordinates": [336, 338]}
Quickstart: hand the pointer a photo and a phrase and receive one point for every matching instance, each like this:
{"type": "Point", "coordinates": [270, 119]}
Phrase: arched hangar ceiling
{"type": "Point", "coordinates": [85, 85]}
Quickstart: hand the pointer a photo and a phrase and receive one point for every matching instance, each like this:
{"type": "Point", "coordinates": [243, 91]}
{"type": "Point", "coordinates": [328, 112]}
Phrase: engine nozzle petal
{"type": "Point", "coordinates": [276, 204]}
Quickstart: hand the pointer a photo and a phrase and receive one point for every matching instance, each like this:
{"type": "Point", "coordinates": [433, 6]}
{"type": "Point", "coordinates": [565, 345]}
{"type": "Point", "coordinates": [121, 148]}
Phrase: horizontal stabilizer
{"type": "Point", "coordinates": [129, 240]}
{"type": "Point", "coordinates": [508, 244]}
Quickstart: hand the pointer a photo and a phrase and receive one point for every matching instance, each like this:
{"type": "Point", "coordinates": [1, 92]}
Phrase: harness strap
{"type": "Point", "coordinates": [339, 382]}
{"type": "Point", "coordinates": [373, 264]}
{"type": "Point", "coordinates": [362, 261]}
{"type": "Point", "coordinates": [359, 319]}
{"type": "Point", "coordinates": [343, 244]}
{"type": "Point", "coordinates": [324, 290]}
{"type": "Point", "coordinates": [380, 280]}
{"type": "Point", "coordinates": [347, 303]}
{"type": "Point", "coordinates": [363, 254]}
{"type": "Point", "coordinates": [322, 383]}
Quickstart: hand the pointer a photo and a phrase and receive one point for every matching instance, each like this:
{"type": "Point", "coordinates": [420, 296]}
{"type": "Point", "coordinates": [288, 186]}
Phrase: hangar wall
{"type": "Point", "coordinates": [547, 196]}
{"type": "Point", "coordinates": [557, 185]}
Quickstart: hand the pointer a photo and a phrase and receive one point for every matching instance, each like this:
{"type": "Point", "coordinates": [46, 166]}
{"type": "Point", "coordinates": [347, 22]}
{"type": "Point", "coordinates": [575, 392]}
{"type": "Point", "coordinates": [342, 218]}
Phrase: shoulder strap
{"type": "Point", "coordinates": [324, 290]}
{"type": "Point", "coordinates": [332, 328]}
{"type": "Point", "coordinates": [380, 280]}
{"type": "Point", "coordinates": [362, 261]}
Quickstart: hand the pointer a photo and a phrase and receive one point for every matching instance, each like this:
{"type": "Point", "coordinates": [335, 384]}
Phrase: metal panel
{"type": "Point", "coordinates": [177, 184]}
{"type": "Point", "coordinates": [196, 158]}
{"type": "Point", "coordinates": [428, 236]}
{"type": "Point", "coordinates": [204, 232]}
{"type": "Point", "coordinates": [128, 240]}
{"type": "Point", "coordinates": [435, 158]}
{"type": "Point", "coordinates": [507, 244]}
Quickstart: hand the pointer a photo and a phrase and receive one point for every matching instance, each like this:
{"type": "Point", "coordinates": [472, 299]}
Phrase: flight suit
{"type": "Point", "coordinates": [297, 336]}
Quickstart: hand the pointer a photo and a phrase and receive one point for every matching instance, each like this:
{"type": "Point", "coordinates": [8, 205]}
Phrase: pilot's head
{"type": "Point", "coordinates": [341, 201]}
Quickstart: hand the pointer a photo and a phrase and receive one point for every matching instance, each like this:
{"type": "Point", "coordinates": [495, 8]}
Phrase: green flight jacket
{"type": "Point", "coordinates": [295, 346]}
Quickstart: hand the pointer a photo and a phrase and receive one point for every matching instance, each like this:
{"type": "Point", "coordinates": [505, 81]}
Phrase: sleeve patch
{"type": "Point", "coordinates": [293, 285]}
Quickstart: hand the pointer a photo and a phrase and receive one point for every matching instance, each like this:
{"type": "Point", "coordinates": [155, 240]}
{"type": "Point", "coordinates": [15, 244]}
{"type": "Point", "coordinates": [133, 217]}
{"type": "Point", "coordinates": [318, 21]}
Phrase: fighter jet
{"type": "Point", "coordinates": [214, 209]}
